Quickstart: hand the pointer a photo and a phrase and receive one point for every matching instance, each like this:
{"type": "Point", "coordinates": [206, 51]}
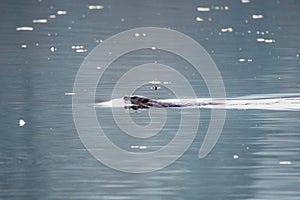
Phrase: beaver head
{"type": "Point", "coordinates": [136, 100]}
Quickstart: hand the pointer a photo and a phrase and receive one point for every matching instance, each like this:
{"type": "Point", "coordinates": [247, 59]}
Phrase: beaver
{"type": "Point", "coordinates": [141, 102]}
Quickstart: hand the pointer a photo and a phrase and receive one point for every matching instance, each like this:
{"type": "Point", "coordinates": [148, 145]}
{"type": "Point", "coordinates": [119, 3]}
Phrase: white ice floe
{"type": "Point", "coordinates": [70, 93]}
{"type": "Point", "coordinates": [53, 49]}
{"type": "Point", "coordinates": [40, 21]}
{"type": "Point", "coordinates": [203, 9]}
{"type": "Point", "coordinates": [95, 7]}
{"type": "Point", "coordinates": [257, 16]}
{"type": "Point", "coordinates": [24, 28]}
{"type": "Point", "coordinates": [22, 122]}
{"type": "Point", "coordinates": [61, 12]}
{"type": "Point", "coordinates": [245, 1]}
{"type": "Point", "coordinates": [228, 30]}
{"type": "Point", "coordinates": [285, 162]}
{"type": "Point", "coordinates": [199, 19]}
{"type": "Point", "coordinates": [23, 46]}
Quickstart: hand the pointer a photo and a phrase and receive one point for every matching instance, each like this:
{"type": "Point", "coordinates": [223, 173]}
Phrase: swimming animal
{"type": "Point", "coordinates": [136, 102]}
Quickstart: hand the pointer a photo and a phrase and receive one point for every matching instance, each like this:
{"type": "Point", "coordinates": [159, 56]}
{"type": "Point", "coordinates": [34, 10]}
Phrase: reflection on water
{"type": "Point", "coordinates": [43, 43]}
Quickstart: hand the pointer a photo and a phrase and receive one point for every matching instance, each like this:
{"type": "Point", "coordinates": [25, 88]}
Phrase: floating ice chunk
{"type": "Point", "coordinates": [245, 60]}
{"type": "Point", "coordinates": [285, 162]}
{"type": "Point", "coordinates": [24, 28]}
{"type": "Point", "coordinates": [257, 16]}
{"type": "Point", "coordinates": [61, 12]}
{"type": "Point", "coordinates": [269, 41]}
{"type": "Point", "coordinates": [266, 40]}
{"type": "Point", "coordinates": [22, 122]}
{"type": "Point", "coordinates": [138, 147]}
{"type": "Point", "coordinates": [220, 8]}
{"type": "Point", "coordinates": [203, 9]}
{"type": "Point", "coordinates": [52, 16]}
{"type": "Point", "coordinates": [154, 82]}
{"type": "Point", "coordinates": [199, 19]}
{"type": "Point", "coordinates": [40, 21]}
{"type": "Point", "coordinates": [53, 49]}
{"type": "Point", "coordinates": [229, 29]}
{"type": "Point", "coordinates": [260, 39]}
{"type": "Point", "coordinates": [70, 93]}
{"type": "Point", "coordinates": [95, 7]}
{"type": "Point", "coordinates": [245, 1]}
{"type": "Point", "coordinates": [81, 50]}
{"type": "Point", "coordinates": [23, 46]}
{"type": "Point", "coordinates": [77, 47]}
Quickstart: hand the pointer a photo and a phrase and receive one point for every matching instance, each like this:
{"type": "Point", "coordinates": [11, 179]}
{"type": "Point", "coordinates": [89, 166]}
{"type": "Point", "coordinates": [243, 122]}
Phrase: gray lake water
{"type": "Point", "coordinates": [255, 45]}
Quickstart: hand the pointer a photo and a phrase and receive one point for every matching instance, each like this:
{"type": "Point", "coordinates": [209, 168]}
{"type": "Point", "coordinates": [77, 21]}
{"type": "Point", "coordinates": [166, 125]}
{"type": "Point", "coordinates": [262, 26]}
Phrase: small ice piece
{"type": "Point", "coordinates": [203, 9]}
{"type": "Point", "coordinates": [257, 16]}
{"type": "Point", "coordinates": [61, 12]}
{"type": "Point", "coordinates": [229, 29]}
{"type": "Point", "coordinates": [23, 46]}
{"type": "Point", "coordinates": [22, 122]}
{"type": "Point", "coordinates": [40, 21]}
{"type": "Point", "coordinates": [260, 39]}
{"type": "Point", "coordinates": [235, 156]}
{"type": "Point", "coordinates": [95, 7]}
{"type": "Point", "coordinates": [199, 19]}
{"type": "Point", "coordinates": [24, 28]}
{"type": "Point", "coordinates": [70, 93]}
{"type": "Point", "coordinates": [81, 50]}
{"type": "Point", "coordinates": [285, 162]}
{"type": "Point", "coordinates": [269, 41]}
{"type": "Point", "coordinates": [53, 49]}
{"type": "Point", "coordinates": [154, 82]}
{"type": "Point", "coordinates": [245, 1]}
{"type": "Point", "coordinates": [77, 47]}
{"type": "Point", "coordinates": [52, 16]}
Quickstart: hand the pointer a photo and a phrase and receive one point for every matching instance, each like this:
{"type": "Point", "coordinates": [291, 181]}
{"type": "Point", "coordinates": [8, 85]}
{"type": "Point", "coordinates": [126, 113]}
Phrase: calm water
{"type": "Point", "coordinates": [256, 46]}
